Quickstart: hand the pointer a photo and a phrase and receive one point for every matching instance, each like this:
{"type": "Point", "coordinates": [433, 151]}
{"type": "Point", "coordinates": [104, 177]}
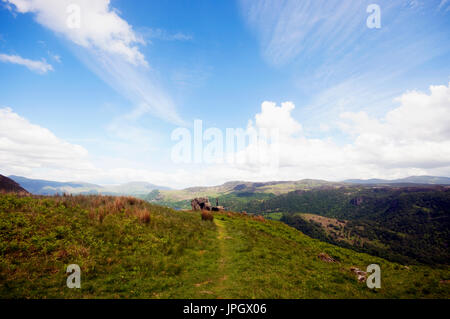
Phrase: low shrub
{"type": "Point", "coordinates": [206, 215]}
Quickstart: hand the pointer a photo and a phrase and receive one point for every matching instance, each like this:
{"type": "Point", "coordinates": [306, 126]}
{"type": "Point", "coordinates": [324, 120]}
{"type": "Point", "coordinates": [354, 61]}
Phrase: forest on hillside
{"type": "Point", "coordinates": [404, 224]}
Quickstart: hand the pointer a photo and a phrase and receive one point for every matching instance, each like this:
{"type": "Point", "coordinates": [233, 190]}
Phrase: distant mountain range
{"type": "Point", "coordinates": [237, 191]}
{"type": "Point", "coordinates": [44, 187]}
{"type": "Point", "coordinates": [433, 180]}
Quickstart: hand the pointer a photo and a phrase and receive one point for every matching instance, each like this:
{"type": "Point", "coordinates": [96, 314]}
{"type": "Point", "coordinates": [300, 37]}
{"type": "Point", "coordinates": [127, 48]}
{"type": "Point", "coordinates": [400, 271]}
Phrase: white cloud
{"type": "Point", "coordinates": [272, 116]}
{"type": "Point", "coordinates": [40, 67]}
{"type": "Point", "coordinates": [416, 134]}
{"type": "Point", "coordinates": [412, 138]}
{"type": "Point", "coordinates": [33, 151]}
{"type": "Point", "coordinates": [101, 28]}
{"type": "Point", "coordinates": [109, 46]}
{"type": "Point", "coordinates": [26, 147]}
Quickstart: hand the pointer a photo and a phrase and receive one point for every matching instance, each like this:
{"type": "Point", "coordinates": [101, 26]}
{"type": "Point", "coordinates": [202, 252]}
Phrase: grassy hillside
{"type": "Point", "coordinates": [129, 248]}
{"type": "Point", "coordinates": [230, 191]}
{"type": "Point", "coordinates": [403, 224]}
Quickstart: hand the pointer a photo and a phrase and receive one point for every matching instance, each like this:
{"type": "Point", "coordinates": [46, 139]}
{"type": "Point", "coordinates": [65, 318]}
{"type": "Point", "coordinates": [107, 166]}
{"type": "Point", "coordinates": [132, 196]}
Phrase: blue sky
{"type": "Point", "coordinates": [104, 99]}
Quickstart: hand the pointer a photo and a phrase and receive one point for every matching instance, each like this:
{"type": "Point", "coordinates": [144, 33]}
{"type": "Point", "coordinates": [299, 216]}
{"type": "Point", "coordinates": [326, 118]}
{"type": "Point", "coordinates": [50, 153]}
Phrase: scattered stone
{"type": "Point", "coordinates": [259, 218]}
{"type": "Point", "coordinates": [203, 283]}
{"type": "Point", "coordinates": [360, 275]}
{"type": "Point", "coordinates": [326, 258]}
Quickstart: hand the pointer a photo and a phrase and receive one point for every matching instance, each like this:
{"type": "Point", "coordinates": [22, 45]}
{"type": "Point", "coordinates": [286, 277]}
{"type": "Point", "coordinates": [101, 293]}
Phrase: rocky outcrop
{"type": "Point", "coordinates": [361, 275]}
{"type": "Point", "coordinates": [201, 203]}
{"type": "Point", "coordinates": [326, 258]}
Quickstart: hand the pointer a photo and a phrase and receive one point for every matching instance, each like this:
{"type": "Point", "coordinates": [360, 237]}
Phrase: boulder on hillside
{"type": "Point", "coordinates": [200, 203]}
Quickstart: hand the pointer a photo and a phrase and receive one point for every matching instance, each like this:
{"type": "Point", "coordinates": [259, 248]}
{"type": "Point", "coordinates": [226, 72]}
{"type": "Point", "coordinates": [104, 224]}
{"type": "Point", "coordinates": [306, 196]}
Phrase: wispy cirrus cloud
{"type": "Point", "coordinates": [40, 67]}
{"type": "Point", "coordinates": [336, 60]}
{"type": "Point", "coordinates": [109, 46]}
{"type": "Point", "coordinates": [444, 5]}
{"type": "Point", "coordinates": [332, 30]}
{"type": "Point", "coordinates": [290, 28]}
{"type": "Point", "coordinates": [161, 34]}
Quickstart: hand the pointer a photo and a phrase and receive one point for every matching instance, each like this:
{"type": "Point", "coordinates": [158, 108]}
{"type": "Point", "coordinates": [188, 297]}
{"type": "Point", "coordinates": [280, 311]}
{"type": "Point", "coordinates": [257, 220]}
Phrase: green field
{"type": "Point", "coordinates": [128, 248]}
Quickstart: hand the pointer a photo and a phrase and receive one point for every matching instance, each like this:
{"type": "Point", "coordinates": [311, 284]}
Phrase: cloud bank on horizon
{"type": "Point", "coordinates": [412, 139]}
{"type": "Point", "coordinates": [356, 116]}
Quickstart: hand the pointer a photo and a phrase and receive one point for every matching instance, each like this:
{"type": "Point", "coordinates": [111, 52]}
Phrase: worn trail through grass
{"type": "Point", "coordinates": [224, 248]}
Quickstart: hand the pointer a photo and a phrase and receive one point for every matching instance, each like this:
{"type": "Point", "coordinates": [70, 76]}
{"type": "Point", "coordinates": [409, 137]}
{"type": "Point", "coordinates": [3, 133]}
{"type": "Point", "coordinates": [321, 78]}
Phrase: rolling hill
{"type": "Point", "coordinates": [180, 199]}
{"type": "Point", "coordinates": [239, 191]}
{"type": "Point", "coordinates": [405, 224]}
{"type": "Point", "coordinates": [433, 180]}
{"type": "Point", "coordinates": [401, 221]}
{"type": "Point", "coordinates": [45, 187]}
{"type": "Point", "coordinates": [7, 185]}
{"type": "Point", "coordinates": [127, 248]}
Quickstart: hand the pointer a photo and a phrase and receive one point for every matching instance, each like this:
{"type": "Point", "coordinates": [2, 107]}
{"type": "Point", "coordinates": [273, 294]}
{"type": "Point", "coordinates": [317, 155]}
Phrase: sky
{"type": "Point", "coordinates": [113, 91]}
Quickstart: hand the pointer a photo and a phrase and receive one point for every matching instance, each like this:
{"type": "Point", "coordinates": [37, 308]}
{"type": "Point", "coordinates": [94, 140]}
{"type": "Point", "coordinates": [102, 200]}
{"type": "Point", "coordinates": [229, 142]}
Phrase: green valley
{"type": "Point", "coordinates": [403, 222]}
